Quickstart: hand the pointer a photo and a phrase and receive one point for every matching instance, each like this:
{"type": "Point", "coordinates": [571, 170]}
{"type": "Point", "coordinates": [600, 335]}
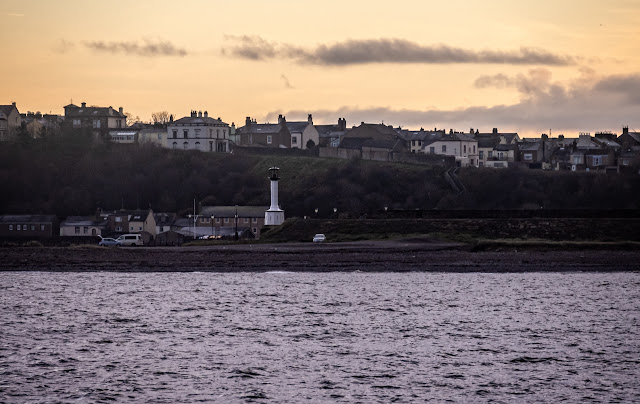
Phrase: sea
{"type": "Point", "coordinates": [343, 337]}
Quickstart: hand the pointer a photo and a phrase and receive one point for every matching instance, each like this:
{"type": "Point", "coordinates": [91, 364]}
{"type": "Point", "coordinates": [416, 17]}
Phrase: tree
{"type": "Point", "coordinates": [131, 119]}
{"type": "Point", "coordinates": [161, 117]}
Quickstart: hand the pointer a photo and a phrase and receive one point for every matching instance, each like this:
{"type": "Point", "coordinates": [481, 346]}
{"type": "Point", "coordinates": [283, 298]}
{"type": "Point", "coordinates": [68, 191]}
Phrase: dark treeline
{"type": "Point", "coordinates": [72, 174]}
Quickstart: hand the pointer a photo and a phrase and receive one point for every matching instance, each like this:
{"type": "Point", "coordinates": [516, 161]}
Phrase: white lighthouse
{"type": "Point", "coordinates": [274, 216]}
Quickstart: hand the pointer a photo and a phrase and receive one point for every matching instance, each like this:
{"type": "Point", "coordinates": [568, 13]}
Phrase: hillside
{"type": "Point", "coordinates": [71, 175]}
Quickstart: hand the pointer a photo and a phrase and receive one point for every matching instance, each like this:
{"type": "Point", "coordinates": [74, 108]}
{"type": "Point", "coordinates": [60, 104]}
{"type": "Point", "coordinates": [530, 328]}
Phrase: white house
{"type": "Point", "coordinates": [302, 132]}
{"type": "Point", "coordinates": [198, 132]}
{"type": "Point", "coordinates": [459, 145]}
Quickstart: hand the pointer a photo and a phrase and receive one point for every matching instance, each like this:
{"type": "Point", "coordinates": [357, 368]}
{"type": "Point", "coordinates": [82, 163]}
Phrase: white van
{"type": "Point", "coordinates": [130, 240]}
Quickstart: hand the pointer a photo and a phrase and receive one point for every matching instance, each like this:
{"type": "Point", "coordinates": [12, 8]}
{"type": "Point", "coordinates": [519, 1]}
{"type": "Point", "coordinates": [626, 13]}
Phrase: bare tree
{"type": "Point", "coordinates": [131, 119]}
{"type": "Point", "coordinates": [161, 117]}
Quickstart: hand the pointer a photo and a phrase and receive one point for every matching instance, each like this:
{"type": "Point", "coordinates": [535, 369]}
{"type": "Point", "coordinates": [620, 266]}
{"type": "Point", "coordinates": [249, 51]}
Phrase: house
{"type": "Point", "coordinates": [532, 152]}
{"type": "Point", "coordinates": [254, 134]}
{"type": "Point", "coordinates": [456, 144]}
{"type": "Point", "coordinates": [99, 119]}
{"type": "Point", "coordinates": [164, 221]}
{"type": "Point", "coordinates": [629, 141]}
{"type": "Point", "coordinates": [130, 221]}
{"type": "Point", "coordinates": [302, 133]}
{"type": "Point", "coordinates": [38, 124]}
{"type": "Point", "coordinates": [223, 220]}
{"type": "Point", "coordinates": [331, 135]}
{"type": "Point", "coordinates": [154, 135]}
{"type": "Point", "coordinates": [76, 226]}
{"type": "Point", "coordinates": [29, 226]}
{"type": "Point", "coordinates": [198, 132]}
{"type": "Point", "coordinates": [10, 120]}
{"type": "Point", "coordinates": [417, 139]}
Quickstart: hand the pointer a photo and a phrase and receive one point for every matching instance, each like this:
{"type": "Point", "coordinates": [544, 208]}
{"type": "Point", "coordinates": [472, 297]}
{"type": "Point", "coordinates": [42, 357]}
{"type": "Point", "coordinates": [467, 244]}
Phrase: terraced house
{"type": "Point", "coordinates": [198, 132]}
{"type": "Point", "coordinates": [99, 119]}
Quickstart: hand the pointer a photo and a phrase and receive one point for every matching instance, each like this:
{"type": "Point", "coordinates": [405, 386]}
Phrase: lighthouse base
{"type": "Point", "coordinates": [273, 217]}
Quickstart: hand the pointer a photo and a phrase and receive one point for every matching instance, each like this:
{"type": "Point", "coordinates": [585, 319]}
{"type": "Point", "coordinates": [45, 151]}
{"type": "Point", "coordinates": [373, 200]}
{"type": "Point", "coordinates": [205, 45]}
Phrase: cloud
{"type": "Point", "coordinates": [147, 48]}
{"type": "Point", "coordinates": [356, 52]}
{"type": "Point", "coordinates": [286, 82]}
{"type": "Point", "coordinates": [14, 14]}
{"type": "Point", "coordinates": [64, 46]}
{"type": "Point", "coordinates": [586, 105]}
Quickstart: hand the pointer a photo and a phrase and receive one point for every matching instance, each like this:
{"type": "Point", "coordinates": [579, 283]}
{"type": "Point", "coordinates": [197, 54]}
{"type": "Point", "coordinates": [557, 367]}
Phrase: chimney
{"type": "Point", "coordinates": [206, 114]}
{"type": "Point", "coordinates": [247, 121]}
{"type": "Point", "coordinates": [84, 105]}
{"type": "Point", "coordinates": [171, 118]}
{"type": "Point", "coordinates": [280, 119]}
{"type": "Point", "coordinates": [14, 104]}
{"type": "Point", "coordinates": [194, 114]}
{"type": "Point", "coordinates": [121, 110]}
{"type": "Point", "coordinates": [199, 114]}
{"type": "Point", "coordinates": [625, 129]}
{"type": "Point", "coordinates": [310, 119]}
{"type": "Point", "coordinates": [495, 131]}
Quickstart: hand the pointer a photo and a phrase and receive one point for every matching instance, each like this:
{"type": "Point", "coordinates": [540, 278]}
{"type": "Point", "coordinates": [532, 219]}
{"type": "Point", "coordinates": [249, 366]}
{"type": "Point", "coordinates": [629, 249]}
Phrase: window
{"type": "Point", "coordinates": [24, 227]}
{"type": "Point", "coordinates": [197, 145]}
{"type": "Point", "coordinates": [96, 123]}
{"type": "Point", "coordinates": [481, 164]}
{"type": "Point", "coordinates": [217, 220]}
{"type": "Point", "coordinates": [246, 220]}
{"type": "Point", "coordinates": [197, 132]}
{"type": "Point", "coordinates": [85, 230]}
{"type": "Point", "coordinates": [33, 227]}
{"type": "Point", "coordinates": [464, 150]}
{"type": "Point", "coordinates": [185, 133]}
{"type": "Point", "coordinates": [490, 154]}
{"type": "Point", "coordinates": [18, 227]}
{"type": "Point", "coordinates": [474, 149]}
{"type": "Point", "coordinates": [413, 143]}
{"type": "Point", "coordinates": [140, 228]}
{"type": "Point", "coordinates": [481, 154]}
{"type": "Point", "coordinates": [41, 227]}
{"type": "Point", "coordinates": [294, 140]}
{"type": "Point", "coordinates": [10, 227]}
{"type": "Point", "coordinates": [185, 145]}
{"type": "Point", "coordinates": [131, 228]}
{"type": "Point", "coordinates": [269, 139]}
{"type": "Point", "coordinates": [226, 220]}
{"type": "Point", "coordinates": [175, 133]}
{"type": "Point", "coordinates": [444, 148]}
{"type": "Point", "coordinates": [210, 133]}
{"type": "Point", "coordinates": [118, 219]}
{"type": "Point", "coordinates": [119, 123]}
{"type": "Point", "coordinates": [432, 150]}
{"type": "Point", "coordinates": [159, 136]}
{"type": "Point", "coordinates": [224, 133]}
{"type": "Point", "coordinates": [528, 157]}
{"type": "Point", "coordinates": [77, 230]}
{"type": "Point", "coordinates": [217, 133]}
{"type": "Point", "coordinates": [255, 230]}
{"type": "Point", "coordinates": [500, 155]}
{"type": "Point", "coordinates": [175, 145]}
{"type": "Point", "coordinates": [118, 228]}
{"type": "Point", "coordinates": [255, 220]}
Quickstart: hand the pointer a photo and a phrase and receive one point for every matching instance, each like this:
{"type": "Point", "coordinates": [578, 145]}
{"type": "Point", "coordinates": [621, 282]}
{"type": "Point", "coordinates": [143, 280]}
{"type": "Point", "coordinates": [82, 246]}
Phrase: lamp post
{"type": "Point", "coordinates": [212, 217]}
{"type": "Point", "coordinates": [335, 212]}
{"type": "Point", "coordinates": [316, 210]}
{"type": "Point", "coordinates": [236, 217]}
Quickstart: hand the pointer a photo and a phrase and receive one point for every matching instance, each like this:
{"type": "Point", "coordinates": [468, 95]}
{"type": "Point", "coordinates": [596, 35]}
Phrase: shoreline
{"type": "Point", "coordinates": [362, 256]}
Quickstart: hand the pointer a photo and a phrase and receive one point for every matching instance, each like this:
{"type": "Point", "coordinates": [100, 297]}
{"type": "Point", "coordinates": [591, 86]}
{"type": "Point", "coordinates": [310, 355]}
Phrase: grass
{"type": "Point", "coordinates": [551, 245]}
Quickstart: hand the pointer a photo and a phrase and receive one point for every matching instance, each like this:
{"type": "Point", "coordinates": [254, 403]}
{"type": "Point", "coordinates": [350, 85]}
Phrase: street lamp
{"type": "Point", "coordinates": [195, 220]}
{"type": "Point", "coordinates": [212, 217]}
{"type": "Point", "coordinates": [236, 217]}
{"type": "Point", "coordinates": [316, 210]}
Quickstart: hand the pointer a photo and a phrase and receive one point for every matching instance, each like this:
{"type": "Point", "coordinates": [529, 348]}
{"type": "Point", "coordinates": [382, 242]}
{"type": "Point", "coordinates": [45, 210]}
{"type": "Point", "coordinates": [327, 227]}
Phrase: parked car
{"type": "Point", "coordinates": [109, 242]}
{"type": "Point", "coordinates": [130, 240]}
{"type": "Point", "coordinates": [319, 238]}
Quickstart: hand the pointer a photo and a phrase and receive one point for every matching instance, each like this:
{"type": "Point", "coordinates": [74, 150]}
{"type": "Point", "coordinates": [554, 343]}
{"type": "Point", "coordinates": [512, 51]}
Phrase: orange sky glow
{"type": "Point", "coordinates": [570, 66]}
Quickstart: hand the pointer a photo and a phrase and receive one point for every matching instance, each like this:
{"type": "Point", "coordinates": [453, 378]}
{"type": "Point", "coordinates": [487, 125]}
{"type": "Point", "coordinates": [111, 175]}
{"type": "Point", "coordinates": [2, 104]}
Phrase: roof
{"type": "Point", "coordinates": [261, 128]}
{"type": "Point", "coordinates": [230, 211]}
{"type": "Point", "coordinates": [329, 131]}
{"type": "Point", "coordinates": [82, 221]}
{"type": "Point", "coordinates": [488, 142]}
{"type": "Point", "coordinates": [27, 218]}
{"type": "Point", "coordinates": [8, 108]}
{"type": "Point", "coordinates": [297, 126]}
{"type": "Point", "coordinates": [88, 112]}
{"type": "Point", "coordinates": [198, 121]}
{"type": "Point", "coordinates": [164, 218]}
{"type": "Point", "coordinates": [424, 135]}
{"type": "Point", "coordinates": [530, 146]}
{"type": "Point", "coordinates": [506, 147]}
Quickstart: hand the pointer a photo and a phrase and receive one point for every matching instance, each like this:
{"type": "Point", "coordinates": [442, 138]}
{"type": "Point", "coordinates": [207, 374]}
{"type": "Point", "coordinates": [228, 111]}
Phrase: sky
{"type": "Point", "coordinates": [565, 66]}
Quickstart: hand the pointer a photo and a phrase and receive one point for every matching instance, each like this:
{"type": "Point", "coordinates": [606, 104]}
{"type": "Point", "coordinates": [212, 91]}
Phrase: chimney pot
{"type": "Point", "coordinates": [495, 130]}
{"type": "Point", "coordinates": [199, 114]}
{"type": "Point", "coordinates": [121, 110]}
{"type": "Point", "coordinates": [206, 114]}
{"type": "Point", "coordinates": [84, 105]}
